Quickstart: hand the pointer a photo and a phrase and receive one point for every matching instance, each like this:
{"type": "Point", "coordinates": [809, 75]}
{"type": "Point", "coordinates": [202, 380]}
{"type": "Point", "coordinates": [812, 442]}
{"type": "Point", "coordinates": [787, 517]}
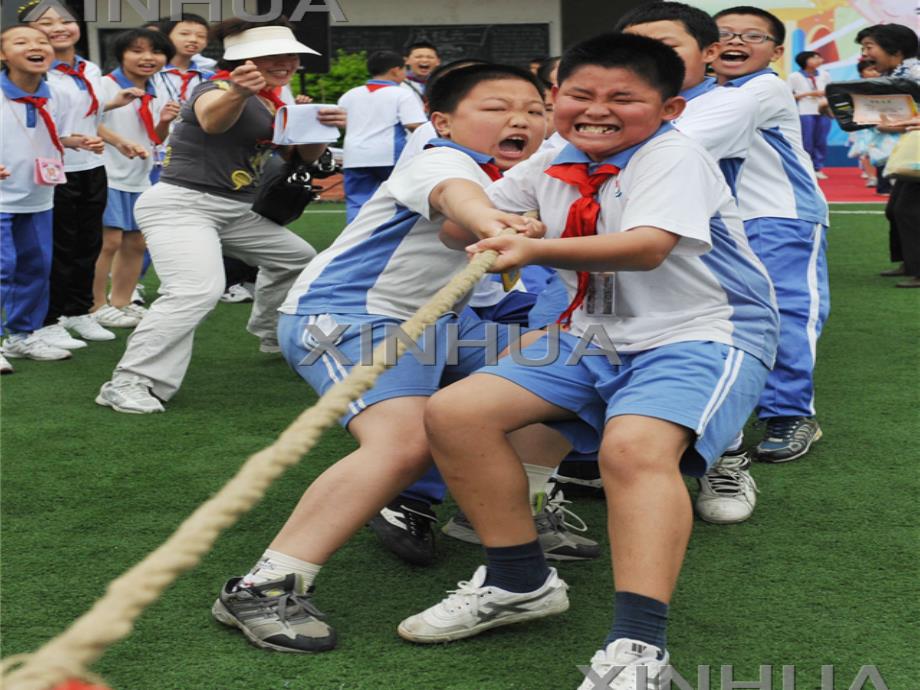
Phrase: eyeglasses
{"type": "Point", "coordinates": [746, 37]}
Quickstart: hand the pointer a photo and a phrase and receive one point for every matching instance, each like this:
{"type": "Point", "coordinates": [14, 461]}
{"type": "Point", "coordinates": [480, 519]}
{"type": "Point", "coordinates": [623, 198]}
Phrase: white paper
{"type": "Point", "coordinates": [299, 124]}
{"type": "Point", "coordinates": [868, 110]}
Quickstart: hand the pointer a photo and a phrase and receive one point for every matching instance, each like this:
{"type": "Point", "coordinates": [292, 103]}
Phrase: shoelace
{"type": "Point", "coordinates": [557, 512]}
{"type": "Point", "coordinates": [729, 476]}
{"type": "Point", "coordinates": [782, 428]}
{"type": "Point", "coordinates": [287, 606]}
{"type": "Point", "coordinates": [461, 597]}
{"type": "Point", "coordinates": [416, 521]}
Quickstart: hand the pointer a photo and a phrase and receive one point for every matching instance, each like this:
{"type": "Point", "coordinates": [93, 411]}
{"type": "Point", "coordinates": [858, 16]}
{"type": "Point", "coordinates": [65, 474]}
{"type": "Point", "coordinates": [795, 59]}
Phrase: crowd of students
{"type": "Point", "coordinates": [677, 269]}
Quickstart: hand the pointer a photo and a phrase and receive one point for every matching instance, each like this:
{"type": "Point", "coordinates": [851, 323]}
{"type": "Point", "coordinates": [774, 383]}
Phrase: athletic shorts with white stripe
{"type": "Point", "coordinates": [708, 387]}
{"type": "Point", "coordinates": [323, 348]}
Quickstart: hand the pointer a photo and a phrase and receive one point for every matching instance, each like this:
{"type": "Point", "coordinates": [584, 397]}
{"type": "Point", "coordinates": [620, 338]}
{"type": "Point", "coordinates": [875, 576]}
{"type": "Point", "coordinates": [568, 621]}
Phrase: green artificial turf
{"type": "Point", "coordinates": [824, 573]}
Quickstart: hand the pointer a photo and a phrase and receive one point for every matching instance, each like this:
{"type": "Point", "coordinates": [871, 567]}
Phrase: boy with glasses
{"type": "Point", "coordinates": [785, 217]}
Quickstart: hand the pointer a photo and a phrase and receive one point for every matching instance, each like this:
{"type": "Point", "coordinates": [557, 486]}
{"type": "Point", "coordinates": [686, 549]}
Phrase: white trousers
{"type": "Point", "coordinates": [187, 232]}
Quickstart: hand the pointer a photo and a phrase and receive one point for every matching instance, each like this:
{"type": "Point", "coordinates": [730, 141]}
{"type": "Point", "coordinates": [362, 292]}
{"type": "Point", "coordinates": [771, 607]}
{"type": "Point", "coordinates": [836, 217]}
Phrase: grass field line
{"type": "Point", "coordinates": [858, 213]}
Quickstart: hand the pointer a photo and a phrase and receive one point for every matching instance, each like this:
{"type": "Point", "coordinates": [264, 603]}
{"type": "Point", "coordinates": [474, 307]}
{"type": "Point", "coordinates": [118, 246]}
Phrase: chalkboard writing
{"type": "Point", "coordinates": [514, 44]}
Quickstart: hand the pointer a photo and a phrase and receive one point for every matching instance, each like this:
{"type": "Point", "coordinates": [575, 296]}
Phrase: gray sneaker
{"type": "Point", "coordinates": [553, 531]}
{"type": "Point", "coordinates": [787, 438]}
{"type": "Point", "coordinates": [129, 393]}
{"type": "Point", "coordinates": [274, 616]}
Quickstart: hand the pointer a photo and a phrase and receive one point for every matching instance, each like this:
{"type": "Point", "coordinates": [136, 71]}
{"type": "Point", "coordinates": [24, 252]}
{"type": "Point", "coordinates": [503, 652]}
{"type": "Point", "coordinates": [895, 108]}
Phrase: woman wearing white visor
{"type": "Point", "coordinates": [202, 206]}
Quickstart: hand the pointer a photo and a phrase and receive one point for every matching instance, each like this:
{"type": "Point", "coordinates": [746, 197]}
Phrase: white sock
{"type": "Point", "coordinates": [736, 444]}
{"type": "Point", "coordinates": [274, 565]}
{"type": "Point", "coordinates": [538, 477]}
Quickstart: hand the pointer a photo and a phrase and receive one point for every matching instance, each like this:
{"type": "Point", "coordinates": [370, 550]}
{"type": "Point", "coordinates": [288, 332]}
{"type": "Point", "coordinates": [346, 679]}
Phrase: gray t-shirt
{"type": "Point", "coordinates": [228, 164]}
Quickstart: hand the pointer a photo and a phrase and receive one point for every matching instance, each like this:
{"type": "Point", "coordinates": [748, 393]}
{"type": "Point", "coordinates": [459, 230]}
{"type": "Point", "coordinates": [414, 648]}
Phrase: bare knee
{"type": "Point", "coordinates": [629, 453]}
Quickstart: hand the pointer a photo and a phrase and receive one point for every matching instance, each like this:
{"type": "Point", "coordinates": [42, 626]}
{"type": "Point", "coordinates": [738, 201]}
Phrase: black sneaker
{"type": "Point", "coordinates": [274, 616]}
{"type": "Point", "coordinates": [406, 527]}
{"type": "Point", "coordinates": [787, 438]}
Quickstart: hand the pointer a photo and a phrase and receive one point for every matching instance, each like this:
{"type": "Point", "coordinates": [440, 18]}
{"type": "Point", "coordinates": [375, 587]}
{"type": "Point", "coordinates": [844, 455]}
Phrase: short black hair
{"type": "Point", "coordinates": [652, 60]}
{"type": "Point", "coordinates": [546, 69]}
{"type": "Point", "coordinates": [696, 22]}
{"type": "Point", "coordinates": [802, 58]}
{"type": "Point", "coordinates": [420, 44]}
{"type": "Point", "coordinates": [167, 24]}
{"type": "Point", "coordinates": [777, 29]}
{"type": "Point", "coordinates": [383, 61]}
{"type": "Point", "coordinates": [892, 38]}
{"type": "Point", "coordinates": [158, 41]}
{"type": "Point", "coordinates": [451, 88]}
{"type": "Point", "coordinates": [447, 67]}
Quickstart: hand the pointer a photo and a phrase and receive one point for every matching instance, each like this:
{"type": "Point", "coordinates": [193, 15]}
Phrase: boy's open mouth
{"type": "Point", "coordinates": [37, 59]}
{"type": "Point", "coordinates": [513, 144]}
{"type": "Point", "coordinates": [733, 56]}
{"type": "Point", "coordinates": [596, 129]}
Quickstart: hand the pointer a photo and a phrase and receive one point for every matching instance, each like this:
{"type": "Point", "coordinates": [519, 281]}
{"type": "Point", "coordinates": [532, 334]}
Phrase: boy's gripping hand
{"type": "Point", "coordinates": [131, 149]}
{"type": "Point", "coordinates": [514, 251]}
{"type": "Point", "coordinates": [247, 80]}
{"type": "Point", "coordinates": [490, 222]}
{"type": "Point", "coordinates": [4, 172]}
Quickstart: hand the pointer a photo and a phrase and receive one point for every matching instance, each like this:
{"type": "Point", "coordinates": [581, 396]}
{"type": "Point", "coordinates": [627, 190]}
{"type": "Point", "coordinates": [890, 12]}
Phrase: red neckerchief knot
{"type": "Point", "coordinates": [186, 78]}
{"type": "Point", "coordinates": [79, 75]}
{"type": "Point", "coordinates": [582, 218]}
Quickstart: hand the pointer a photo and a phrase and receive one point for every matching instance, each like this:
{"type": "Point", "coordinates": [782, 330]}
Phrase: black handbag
{"type": "Point", "coordinates": [286, 189]}
{"type": "Point", "coordinates": [840, 96]}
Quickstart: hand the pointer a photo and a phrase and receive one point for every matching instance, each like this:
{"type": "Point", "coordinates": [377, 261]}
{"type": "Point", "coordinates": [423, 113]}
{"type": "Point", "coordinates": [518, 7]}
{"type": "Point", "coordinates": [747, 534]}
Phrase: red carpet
{"type": "Point", "coordinates": [845, 185]}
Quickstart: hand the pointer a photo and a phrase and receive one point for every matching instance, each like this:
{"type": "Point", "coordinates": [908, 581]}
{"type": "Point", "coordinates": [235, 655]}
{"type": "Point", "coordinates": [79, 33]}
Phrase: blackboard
{"type": "Point", "coordinates": [515, 44]}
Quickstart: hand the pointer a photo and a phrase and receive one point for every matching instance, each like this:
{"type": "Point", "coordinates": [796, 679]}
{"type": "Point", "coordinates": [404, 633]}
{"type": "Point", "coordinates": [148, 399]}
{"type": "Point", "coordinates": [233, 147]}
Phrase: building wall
{"type": "Point", "coordinates": [411, 12]}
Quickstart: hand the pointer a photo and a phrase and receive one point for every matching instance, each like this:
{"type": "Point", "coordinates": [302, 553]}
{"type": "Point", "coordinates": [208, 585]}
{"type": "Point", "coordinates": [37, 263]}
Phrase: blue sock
{"type": "Point", "coordinates": [516, 568]}
{"type": "Point", "coordinates": [639, 618]}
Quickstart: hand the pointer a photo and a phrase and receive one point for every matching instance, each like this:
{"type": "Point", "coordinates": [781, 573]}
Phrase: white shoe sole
{"type": "Point", "coordinates": [108, 403]}
{"type": "Point", "coordinates": [223, 616]}
{"type": "Point", "coordinates": [555, 608]}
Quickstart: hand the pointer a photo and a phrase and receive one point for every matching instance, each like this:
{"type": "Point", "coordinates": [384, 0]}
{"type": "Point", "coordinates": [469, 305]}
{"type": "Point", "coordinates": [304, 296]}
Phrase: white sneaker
{"type": "Point", "coordinates": [269, 346]}
{"type": "Point", "coordinates": [129, 393]}
{"type": "Point", "coordinates": [728, 492]}
{"type": "Point", "coordinates": [86, 327]}
{"type": "Point", "coordinates": [627, 665]}
{"type": "Point", "coordinates": [134, 310]}
{"type": "Point", "coordinates": [112, 317]}
{"type": "Point", "coordinates": [5, 366]}
{"type": "Point", "coordinates": [58, 336]}
{"type": "Point", "coordinates": [236, 293]}
{"type": "Point", "coordinates": [473, 608]}
{"type": "Point", "coordinates": [32, 347]}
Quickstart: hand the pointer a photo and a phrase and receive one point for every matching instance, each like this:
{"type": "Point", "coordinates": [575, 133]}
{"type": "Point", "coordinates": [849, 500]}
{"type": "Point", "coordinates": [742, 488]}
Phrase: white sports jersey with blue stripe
{"type": "Point", "coordinates": [390, 261]}
{"type": "Point", "coordinates": [710, 288]}
{"type": "Point", "coordinates": [724, 121]}
{"type": "Point", "coordinates": [777, 179]}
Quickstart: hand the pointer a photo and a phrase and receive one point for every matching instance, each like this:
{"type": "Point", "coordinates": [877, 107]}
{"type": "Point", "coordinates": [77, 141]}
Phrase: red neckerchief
{"type": "Point", "coordinates": [78, 74]}
{"type": "Point", "coordinates": [146, 116]}
{"type": "Point", "coordinates": [39, 104]}
{"type": "Point", "coordinates": [271, 94]}
{"type": "Point", "coordinates": [582, 218]}
{"type": "Point", "coordinates": [492, 170]}
{"type": "Point", "coordinates": [186, 78]}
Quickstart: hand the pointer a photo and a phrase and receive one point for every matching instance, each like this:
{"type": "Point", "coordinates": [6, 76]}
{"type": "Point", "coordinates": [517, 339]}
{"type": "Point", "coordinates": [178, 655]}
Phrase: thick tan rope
{"type": "Point", "coordinates": [112, 617]}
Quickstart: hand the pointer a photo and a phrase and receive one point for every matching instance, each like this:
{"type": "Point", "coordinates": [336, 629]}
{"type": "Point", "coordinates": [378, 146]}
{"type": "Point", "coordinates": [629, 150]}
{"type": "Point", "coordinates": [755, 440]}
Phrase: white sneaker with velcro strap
{"type": "Point", "coordinates": [475, 607]}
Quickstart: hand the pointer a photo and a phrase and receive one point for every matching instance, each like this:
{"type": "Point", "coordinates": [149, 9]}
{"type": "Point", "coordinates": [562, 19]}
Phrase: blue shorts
{"type": "Point", "coordinates": [119, 210]}
{"type": "Point", "coordinates": [707, 387]}
{"type": "Point", "coordinates": [415, 374]}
